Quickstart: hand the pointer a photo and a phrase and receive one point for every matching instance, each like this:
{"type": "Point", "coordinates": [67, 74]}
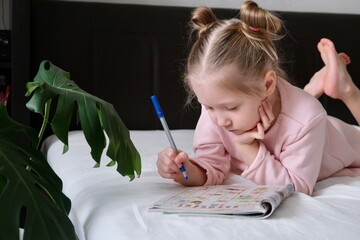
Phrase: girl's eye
{"type": "Point", "coordinates": [208, 108]}
{"type": "Point", "coordinates": [231, 108]}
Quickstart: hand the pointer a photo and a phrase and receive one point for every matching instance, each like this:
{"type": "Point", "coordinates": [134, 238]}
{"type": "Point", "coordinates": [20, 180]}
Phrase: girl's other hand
{"type": "Point", "coordinates": [266, 120]}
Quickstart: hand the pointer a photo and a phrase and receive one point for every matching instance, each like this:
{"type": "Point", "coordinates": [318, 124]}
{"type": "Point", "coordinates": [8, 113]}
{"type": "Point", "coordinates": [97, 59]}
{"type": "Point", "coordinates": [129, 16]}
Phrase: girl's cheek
{"type": "Point", "coordinates": [212, 117]}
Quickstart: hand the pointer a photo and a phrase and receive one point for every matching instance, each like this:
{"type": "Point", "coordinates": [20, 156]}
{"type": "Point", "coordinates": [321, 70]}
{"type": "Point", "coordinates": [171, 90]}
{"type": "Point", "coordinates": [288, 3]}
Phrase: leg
{"type": "Point", "coordinates": [334, 80]}
{"type": "Point", "coordinates": [316, 84]}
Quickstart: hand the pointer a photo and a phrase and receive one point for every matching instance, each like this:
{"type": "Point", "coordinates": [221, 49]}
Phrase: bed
{"type": "Point", "coordinates": [106, 205]}
{"type": "Point", "coordinates": [124, 54]}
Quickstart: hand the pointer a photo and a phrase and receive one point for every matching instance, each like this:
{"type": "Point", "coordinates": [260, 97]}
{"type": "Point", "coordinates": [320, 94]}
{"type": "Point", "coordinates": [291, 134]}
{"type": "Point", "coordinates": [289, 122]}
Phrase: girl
{"type": "Point", "coordinates": [254, 123]}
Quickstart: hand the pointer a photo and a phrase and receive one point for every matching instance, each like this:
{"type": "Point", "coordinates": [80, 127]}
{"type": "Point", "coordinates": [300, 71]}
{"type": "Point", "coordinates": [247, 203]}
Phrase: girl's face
{"type": "Point", "coordinates": [232, 110]}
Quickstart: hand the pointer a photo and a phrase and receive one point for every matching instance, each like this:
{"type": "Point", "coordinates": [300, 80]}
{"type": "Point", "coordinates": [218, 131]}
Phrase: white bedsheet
{"type": "Point", "coordinates": [107, 206]}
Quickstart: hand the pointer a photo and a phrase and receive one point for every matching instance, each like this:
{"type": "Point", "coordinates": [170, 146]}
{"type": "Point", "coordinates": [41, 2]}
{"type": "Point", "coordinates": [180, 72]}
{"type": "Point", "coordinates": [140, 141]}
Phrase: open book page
{"type": "Point", "coordinates": [225, 200]}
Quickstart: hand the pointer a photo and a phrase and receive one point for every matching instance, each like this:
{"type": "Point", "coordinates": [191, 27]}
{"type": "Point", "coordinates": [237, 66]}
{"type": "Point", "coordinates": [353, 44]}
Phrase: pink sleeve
{"type": "Point", "coordinates": [210, 152]}
{"type": "Point", "coordinates": [299, 162]}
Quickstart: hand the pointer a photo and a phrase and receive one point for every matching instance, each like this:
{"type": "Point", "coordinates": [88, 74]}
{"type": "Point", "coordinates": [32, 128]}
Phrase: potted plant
{"type": "Point", "coordinates": [28, 185]}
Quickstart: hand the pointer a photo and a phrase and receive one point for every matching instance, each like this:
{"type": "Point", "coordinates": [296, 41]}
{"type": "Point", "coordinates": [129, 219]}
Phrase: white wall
{"type": "Point", "coordinates": [325, 6]}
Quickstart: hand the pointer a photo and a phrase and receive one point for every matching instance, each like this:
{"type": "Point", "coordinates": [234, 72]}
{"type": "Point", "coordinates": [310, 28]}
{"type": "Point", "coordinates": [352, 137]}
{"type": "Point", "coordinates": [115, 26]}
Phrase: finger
{"type": "Point", "coordinates": [266, 114]}
{"type": "Point", "coordinates": [268, 109]}
{"type": "Point", "coordinates": [260, 132]}
{"type": "Point", "coordinates": [247, 137]}
{"type": "Point", "coordinates": [170, 153]}
{"type": "Point", "coordinates": [171, 166]}
{"type": "Point", "coordinates": [168, 175]}
{"type": "Point", "coordinates": [181, 158]}
{"type": "Point", "coordinates": [257, 133]}
{"type": "Point", "coordinates": [263, 118]}
{"type": "Point", "coordinates": [166, 161]}
{"type": "Point", "coordinates": [266, 122]}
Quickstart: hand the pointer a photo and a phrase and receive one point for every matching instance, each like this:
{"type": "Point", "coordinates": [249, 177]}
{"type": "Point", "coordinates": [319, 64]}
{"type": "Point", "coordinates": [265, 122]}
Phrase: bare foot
{"type": "Point", "coordinates": [337, 82]}
{"type": "Point", "coordinates": [329, 77]}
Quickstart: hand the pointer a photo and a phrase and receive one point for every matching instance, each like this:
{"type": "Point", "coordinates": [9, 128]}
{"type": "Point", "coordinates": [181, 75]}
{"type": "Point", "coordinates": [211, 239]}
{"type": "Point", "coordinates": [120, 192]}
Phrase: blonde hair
{"type": "Point", "coordinates": [247, 42]}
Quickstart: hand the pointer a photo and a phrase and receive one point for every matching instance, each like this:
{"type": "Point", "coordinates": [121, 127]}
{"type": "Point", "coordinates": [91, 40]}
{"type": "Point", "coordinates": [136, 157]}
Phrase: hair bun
{"type": "Point", "coordinates": [258, 19]}
{"type": "Point", "coordinates": [202, 19]}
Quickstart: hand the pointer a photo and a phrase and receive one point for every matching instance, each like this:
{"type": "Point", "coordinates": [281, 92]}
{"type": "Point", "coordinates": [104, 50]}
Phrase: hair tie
{"type": "Point", "coordinates": [255, 29]}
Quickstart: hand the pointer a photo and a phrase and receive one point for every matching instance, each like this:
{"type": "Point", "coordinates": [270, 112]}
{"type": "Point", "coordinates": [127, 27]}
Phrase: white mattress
{"type": "Point", "coordinates": [106, 205]}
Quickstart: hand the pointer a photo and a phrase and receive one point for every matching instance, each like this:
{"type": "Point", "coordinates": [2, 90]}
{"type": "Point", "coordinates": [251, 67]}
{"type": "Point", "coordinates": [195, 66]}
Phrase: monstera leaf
{"type": "Point", "coordinates": [29, 185]}
{"type": "Point", "coordinates": [94, 115]}
{"type": "Point", "coordinates": [29, 188]}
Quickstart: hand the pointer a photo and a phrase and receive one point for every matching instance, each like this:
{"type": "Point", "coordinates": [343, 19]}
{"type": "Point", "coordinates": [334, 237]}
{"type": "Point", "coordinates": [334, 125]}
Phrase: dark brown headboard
{"type": "Point", "coordinates": [126, 53]}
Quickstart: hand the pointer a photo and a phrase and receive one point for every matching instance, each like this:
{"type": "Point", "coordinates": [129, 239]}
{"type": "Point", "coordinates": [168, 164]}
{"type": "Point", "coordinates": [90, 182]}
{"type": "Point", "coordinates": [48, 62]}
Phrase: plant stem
{"type": "Point", "coordinates": [45, 121]}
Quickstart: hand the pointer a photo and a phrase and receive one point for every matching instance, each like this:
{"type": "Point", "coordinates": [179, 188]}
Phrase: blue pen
{"type": "Point", "coordinates": [160, 115]}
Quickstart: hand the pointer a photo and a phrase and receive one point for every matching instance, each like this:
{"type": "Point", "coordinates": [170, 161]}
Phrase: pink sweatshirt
{"type": "Point", "coordinates": [302, 147]}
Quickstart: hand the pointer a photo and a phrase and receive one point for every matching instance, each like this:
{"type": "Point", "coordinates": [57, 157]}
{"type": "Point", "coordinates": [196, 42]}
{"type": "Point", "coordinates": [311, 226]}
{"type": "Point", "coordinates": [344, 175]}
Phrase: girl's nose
{"type": "Point", "coordinates": [223, 121]}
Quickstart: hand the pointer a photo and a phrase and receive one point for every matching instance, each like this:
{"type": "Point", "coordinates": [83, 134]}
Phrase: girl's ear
{"type": "Point", "coordinates": [270, 82]}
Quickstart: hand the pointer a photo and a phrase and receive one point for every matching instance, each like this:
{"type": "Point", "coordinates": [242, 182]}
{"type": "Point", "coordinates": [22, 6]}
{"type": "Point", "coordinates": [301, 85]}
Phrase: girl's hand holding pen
{"type": "Point", "coordinates": [169, 163]}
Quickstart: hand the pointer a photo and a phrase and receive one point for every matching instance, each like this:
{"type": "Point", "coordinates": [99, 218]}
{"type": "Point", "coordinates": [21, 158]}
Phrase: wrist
{"type": "Point", "coordinates": [249, 151]}
{"type": "Point", "coordinates": [196, 174]}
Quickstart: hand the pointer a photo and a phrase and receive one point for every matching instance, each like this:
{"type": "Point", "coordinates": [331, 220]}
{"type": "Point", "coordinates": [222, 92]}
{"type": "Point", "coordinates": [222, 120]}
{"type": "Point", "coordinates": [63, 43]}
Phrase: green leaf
{"type": "Point", "coordinates": [28, 184]}
{"type": "Point", "coordinates": [120, 150]}
{"type": "Point", "coordinates": [95, 116]}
